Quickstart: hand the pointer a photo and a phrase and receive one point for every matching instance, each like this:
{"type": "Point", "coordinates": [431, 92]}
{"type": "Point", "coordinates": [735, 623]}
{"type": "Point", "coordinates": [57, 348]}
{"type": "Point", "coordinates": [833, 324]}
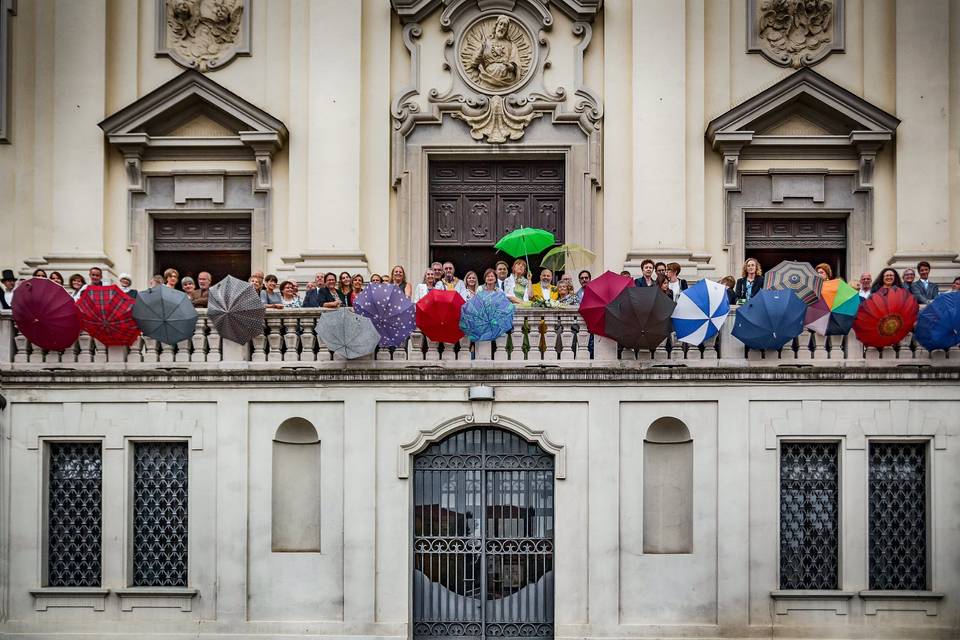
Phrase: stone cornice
{"type": "Point", "coordinates": [419, 373]}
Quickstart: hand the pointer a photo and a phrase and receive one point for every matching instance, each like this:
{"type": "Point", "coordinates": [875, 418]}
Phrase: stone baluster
{"type": "Point", "coordinates": [567, 328]}
{"type": "Point", "coordinates": [905, 348]}
{"type": "Point", "coordinates": [99, 351]}
{"type": "Point", "coordinates": [259, 348]}
{"type": "Point", "coordinates": [605, 349]}
{"type": "Point", "coordinates": [583, 343]}
{"type": "Point", "coordinates": [464, 353]}
{"type": "Point", "coordinates": [199, 341]}
{"type": "Point", "coordinates": [275, 339]}
{"type": "Point", "coordinates": [308, 340]}
{"type": "Point", "coordinates": [710, 349]}
{"type": "Point", "coordinates": [117, 353]}
{"type": "Point", "coordinates": [433, 352]}
{"type": "Point", "coordinates": [7, 344]}
{"type": "Point", "coordinates": [515, 342]}
{"type": "Point", "coordinates": [150, 350]}
{"type": "Point", "coordinates": [535, 337]}
{"type": "Point", "coordinates": [820, 346]}
{"type": "Point", "coordinates": [35, 354]}
{"type": "Point", "coordinates": [135, 352]}
{"type": "Point", "coordinates": [165, 351]}
{"type": "Point", "coordinates": [21, 349]}
{"type": "Point", "coordinates": [850, 348]}
{"type": "Point", "coordinates": [417, 345]}
{"type": "Point", "coordinates": [665, 350]}
{"type": "Point", "coordinates": [484, 350]}
{"type": "Point", "coordinates": [550, 337]}
{"type": "Point", "coordinates": [500, 350]}
{"type": "Point", "coordinates": [52, 357]}
{"type": "Point", "coordinates": [806, 345]}
{"type": "Point", "coordinates": [183, 350]}
{"type": "Point", "coordinates": [291, 340]}
{"type": "Point", "coordinates": [215, 344]}
{"type": "Point", "coordinates": [402, 352]}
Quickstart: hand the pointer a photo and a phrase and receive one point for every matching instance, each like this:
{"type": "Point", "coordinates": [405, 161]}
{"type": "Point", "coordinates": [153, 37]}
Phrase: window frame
{"type": "Point", "coordinates": [840, 444]}
{"type": "Point", "coordinates": [130, 444]}
{"type": "Point", "coordinates": [927, 441]}
{"type": "Point", "coordinates": [43, 555]}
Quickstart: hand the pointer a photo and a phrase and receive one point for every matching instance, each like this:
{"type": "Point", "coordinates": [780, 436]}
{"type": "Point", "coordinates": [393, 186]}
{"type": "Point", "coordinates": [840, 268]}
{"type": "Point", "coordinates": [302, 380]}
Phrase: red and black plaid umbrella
{"type": "Point", "coordinates": [438, 315]}
{"type": "Point", "coordinates": [46, 314]}
{"type": "Point", "coordinates": [107, 314]}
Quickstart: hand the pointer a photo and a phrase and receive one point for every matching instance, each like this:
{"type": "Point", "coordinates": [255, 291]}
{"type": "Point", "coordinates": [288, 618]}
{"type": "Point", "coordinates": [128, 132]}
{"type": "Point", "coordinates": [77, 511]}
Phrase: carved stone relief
{"type": "Point", "coordinates": [795, 33]}
{"type": "Point", "coordinates": [496, 54]}
{"type": "Point", "coordinates": [203, 34]}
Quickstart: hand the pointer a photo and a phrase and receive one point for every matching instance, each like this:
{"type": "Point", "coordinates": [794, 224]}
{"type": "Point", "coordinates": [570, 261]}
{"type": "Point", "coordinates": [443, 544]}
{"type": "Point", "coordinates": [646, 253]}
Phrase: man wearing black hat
{"type": "Point", "coordinates": [9, 281]}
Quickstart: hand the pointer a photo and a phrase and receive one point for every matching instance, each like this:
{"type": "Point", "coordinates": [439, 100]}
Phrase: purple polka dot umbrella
{"type": "Point", "coordinates": [392, 313]}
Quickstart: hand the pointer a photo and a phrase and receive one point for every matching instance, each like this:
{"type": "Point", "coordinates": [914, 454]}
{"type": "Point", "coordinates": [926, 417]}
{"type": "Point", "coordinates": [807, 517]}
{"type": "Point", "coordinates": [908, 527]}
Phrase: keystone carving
{"type": "Point", "coordinates": [203, 34]}
{"type": "Point", "coordinates": [796, 33]}
{"type": "Point", "coordinates": [497, 124]}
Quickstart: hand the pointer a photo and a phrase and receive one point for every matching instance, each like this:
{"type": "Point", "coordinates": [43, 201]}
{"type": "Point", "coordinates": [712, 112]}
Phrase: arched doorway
{"type": "Point", "coordinates": [483, 528]}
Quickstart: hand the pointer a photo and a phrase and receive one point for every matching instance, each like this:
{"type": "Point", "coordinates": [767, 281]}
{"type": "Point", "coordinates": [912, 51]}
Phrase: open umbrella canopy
{"type": "Point", "coordinates": [597, 294]}
{"type": "Point", "coordinates": [886, 317]}
{"type": "Point", "coordinates": [938, 326]}
{"type": "Point", "coordinates": [106, 313]}
{"type": "Point", "coordinates": [639, 317]}
{"type": "Point", "coordinates": [235, 310]}
{"type": "Point", "coordinates": [770, 319]}
{"type": "Point", "coordinates": [701, 311]}
{"type": "Point", "coordinates": [833, 313]}
{"type": "Point", "coordinates": [165, 314]}
{"type": "Point", "coordinates": [567, 257]}
{"type": "Point", "coordinates": [487, 316]}
{"type": "Point", "coordinates": [438, 315]}
{"type": "Point", "coordinates": [525, 241]}
{"type": "Point", "coordinates": [347, 333]}
{"type": "Point", "coordinates": [392, 313]}
{"type": "Point", "coordinates": [46, 314]}
{"type": "Point", "coordinates": [799, 277]}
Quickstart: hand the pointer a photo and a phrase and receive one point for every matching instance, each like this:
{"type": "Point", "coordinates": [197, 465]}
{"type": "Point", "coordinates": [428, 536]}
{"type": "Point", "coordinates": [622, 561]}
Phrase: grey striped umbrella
{"type": "Point", "coordinates": [348, 333]}
{"type": "Point", "coordinates": [235, 310]}
{"type": "Point", "coordinates": [165, 314]}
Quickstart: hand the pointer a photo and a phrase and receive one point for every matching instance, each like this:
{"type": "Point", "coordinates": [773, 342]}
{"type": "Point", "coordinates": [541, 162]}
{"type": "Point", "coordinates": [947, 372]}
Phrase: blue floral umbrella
{"type": "Point", "coordinates": [392, 313]}
{"type": "Point", "coordinates": [771, 319]}
{"type": "Point", "coordinates": [938, 326]}
{"type": "Point", "coordinates": [486, 316]}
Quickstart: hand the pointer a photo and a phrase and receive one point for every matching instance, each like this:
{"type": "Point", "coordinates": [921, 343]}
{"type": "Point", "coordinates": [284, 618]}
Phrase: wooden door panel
{"type": "Point", "coordinates": [445, 216]}
{"type": "Point", "coordinates": [547, 213]}
{"type": "Point", "coordinates": [513, 212]}
{"type": "Point", "coordinates": [479, 220]}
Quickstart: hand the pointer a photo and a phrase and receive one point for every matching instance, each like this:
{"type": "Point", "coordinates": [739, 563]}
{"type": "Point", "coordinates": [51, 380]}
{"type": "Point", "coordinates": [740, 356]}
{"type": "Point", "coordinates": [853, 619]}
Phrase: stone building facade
{"type": "Point", "coordinates": [217, 491]}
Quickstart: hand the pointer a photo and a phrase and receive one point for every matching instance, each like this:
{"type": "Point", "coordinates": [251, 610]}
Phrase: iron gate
{"type": "Point", "coordinates": [483, 538]}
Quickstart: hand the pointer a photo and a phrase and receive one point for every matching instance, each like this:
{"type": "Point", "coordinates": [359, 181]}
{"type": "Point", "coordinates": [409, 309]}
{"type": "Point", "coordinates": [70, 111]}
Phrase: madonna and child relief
{"type": "Point", "coordinates": [496, 54]}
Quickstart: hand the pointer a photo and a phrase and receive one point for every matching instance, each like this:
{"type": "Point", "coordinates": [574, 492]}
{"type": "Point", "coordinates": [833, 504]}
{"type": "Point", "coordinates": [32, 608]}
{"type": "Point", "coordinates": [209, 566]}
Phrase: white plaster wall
{"type": "Point", "coordinates": [358, 585]}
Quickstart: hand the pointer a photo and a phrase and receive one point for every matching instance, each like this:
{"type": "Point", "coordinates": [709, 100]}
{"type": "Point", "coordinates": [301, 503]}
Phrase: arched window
{"type": "Point", "coordinates": [295, 511]}
{"type": "Point", "coordinates": [668, 488]}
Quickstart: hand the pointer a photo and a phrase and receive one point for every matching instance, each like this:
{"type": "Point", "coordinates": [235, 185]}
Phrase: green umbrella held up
{"type": "Point", "coordinates": [524, 241]}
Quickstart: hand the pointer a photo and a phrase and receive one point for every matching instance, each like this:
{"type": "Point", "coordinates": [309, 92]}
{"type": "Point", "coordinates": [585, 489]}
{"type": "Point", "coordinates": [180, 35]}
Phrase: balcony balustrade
{"type": "Point", "coordinates": [539, 336]}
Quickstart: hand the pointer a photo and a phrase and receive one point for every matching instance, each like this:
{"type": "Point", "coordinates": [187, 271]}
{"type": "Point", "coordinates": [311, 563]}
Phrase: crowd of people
{"type": "Point", "coordinates": [515, 281]}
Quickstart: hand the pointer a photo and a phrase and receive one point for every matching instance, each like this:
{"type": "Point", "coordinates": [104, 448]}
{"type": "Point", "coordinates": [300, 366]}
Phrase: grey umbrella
{"type": "Point", "coordinates": [235, 310]}
{"type": "Point", "coordinates": [347, 333]}
{"type": "Point", "coordinates": [165, 314]}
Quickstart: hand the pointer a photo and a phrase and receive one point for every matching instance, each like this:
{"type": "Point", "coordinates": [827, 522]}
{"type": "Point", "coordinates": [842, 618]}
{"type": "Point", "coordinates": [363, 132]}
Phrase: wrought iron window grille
{"type": "Point", "coordinates": [160, 543]}
{"type": "Point", "coordinates": [74, 515]}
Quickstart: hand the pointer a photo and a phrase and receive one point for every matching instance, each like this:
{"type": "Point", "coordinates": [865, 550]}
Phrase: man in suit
{"type": "Point", "coordinates": [647, 278]}
{"type": "Point", "coordinates": [201, 296]}
{"type": "Point", "coordinates": [924, 290]}
{"type": "Point", "coordinates": [544, 290]}
{"type": "Point", "coordinates": [9, 281]}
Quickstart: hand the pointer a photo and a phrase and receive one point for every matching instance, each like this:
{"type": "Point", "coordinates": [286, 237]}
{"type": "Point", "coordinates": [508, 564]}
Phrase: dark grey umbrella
{"type": "Point", "coordinates": [639, 317]}
{"type": "Point", "coordinates": [235, 310]}
{"type": "Point", "coordinates": [348, 333]}
{"type": "Point", "coordinates": [165, 314]}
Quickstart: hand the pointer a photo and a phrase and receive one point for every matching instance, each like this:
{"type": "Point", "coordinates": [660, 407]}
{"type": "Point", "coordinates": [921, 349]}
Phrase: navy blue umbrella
{"type": "Point", "coordinates": [938, 326]}
{"type": "Point", "coordinates": [770, 319]}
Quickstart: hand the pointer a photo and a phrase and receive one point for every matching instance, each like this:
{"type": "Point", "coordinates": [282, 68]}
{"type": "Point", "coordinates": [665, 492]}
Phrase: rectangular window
{"type": "Point", "coordinates": [74, 515]}
{"type": "Point", "coordinates": [809, 515]}
{"type": "Point", "coordinates": [898, 516]}
{"type": "Point", "coordinates": [160, 514]}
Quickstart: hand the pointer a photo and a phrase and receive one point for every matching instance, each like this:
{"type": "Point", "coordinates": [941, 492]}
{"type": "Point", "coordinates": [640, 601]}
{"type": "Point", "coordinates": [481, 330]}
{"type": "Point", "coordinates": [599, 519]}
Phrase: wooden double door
{"type": "Point", "coordinates": [474, 203]}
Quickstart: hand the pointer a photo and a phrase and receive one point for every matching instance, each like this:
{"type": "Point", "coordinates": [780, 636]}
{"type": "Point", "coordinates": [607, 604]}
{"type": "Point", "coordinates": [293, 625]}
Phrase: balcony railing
{"type": "Point", "coordinates": [539, 336]}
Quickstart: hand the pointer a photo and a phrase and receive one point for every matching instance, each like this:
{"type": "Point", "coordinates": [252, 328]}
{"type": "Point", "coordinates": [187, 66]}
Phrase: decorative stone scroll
{"type": "Point", "coordinates": [203, 34]}
{"type": "Point", "coordinates": [795, 33]}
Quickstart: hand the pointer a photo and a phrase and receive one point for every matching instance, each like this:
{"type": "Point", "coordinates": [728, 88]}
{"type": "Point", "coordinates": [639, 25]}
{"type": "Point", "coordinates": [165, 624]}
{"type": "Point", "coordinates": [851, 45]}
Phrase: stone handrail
{"type": "Point", "coordinates": [539, 336]}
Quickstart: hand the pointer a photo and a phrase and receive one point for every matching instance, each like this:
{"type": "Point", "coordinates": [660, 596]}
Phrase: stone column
{"type": "Point", "coordinates": [77, 178]}
{"type": "Point", "coordinates": [331, 240]}
{"type": "Point", "coordinates": [659, 131]}
{"type": "Point", "coordinates": [923, 138]}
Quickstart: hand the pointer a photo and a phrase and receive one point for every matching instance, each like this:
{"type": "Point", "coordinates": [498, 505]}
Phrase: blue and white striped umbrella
{"type": "Point", "coordinates": [701, 311]}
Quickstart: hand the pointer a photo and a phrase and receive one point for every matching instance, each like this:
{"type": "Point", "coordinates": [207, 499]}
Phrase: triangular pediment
{"type": "Point", "coordinates": [192, 107]}
{"type": "Point", "coordinates": [803, 106]}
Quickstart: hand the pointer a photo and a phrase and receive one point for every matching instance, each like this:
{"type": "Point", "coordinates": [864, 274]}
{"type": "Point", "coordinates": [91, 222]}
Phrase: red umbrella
{"type": "Point", "coordinates": [45, 314]}
{"type": "Point", "coordinates": [438, 315]}
{"type": "Point", "coordinates": [107, 315]}
{"type": "Point", "coordinates": [598, 293]}
{"type": "Point", "coordinates": [886, 317]}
